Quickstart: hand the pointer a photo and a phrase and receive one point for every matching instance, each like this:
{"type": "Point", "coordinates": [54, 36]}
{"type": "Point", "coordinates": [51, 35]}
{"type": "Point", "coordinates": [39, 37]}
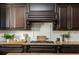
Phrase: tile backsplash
{"type": "Point", "coordinates": [43, 29]}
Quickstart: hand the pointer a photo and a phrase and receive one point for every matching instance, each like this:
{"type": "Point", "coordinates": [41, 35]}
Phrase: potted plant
{"type": "Point", "coordinates": [8, 37]}
{"type": "Point", "coordinates": [66, 35]}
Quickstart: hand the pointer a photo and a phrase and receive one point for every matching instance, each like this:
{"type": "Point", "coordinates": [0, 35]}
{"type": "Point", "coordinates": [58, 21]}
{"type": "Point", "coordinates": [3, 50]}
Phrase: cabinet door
{"type": "Point", "coordinates": [75, 17]}
{"type": "Point", "coordinates": [2, 17]}
{"type": "Point", "coordinates": [11, 48]}
{"type": "Point", "coordinates": [69, 49]}
{"type": "Point", "coordinates": [62, 21]}
{"type": "Point", "coordinates": [42, 49]}
{"type": "Point", "coordinates": [19, 23]}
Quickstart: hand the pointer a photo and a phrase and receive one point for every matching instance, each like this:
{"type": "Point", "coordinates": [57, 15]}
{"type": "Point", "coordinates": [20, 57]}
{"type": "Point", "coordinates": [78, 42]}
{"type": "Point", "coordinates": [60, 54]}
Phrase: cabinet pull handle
{"type": "Point", "coordinates": [69, 25]}
{"type": "Point", "coordinates": [59, 10]}
{"type": "Point", "coordinates": [71, 17]}
{"type": "Point", "coordinates": [68, 16]}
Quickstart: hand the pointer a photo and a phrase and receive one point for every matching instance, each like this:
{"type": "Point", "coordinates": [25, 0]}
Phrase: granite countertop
{"type": "Point", "coordinates": [42, 43]}
{"type": "Point", "coordinates": [71, 43]}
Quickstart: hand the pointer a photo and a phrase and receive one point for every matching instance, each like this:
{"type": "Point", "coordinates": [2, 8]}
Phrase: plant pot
{"type": "Point", "coordinates": [8, 40]}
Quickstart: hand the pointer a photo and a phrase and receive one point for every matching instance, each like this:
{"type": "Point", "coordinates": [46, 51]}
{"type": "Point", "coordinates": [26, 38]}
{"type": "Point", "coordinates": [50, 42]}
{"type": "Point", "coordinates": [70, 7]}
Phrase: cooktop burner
{"type": "Point", "coordinates": [42, 42]}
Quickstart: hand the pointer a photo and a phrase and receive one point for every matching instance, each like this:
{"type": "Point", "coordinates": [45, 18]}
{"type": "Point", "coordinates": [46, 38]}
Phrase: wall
{"type": "Point", "coordinates": [43, 29]}
{"type": "Point", "coordinates": [47, 30]}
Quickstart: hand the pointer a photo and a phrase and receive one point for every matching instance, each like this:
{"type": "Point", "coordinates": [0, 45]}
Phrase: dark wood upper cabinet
{"type": "Point", "coordinates": [75, 17]}
{"type": "Point", "coordinates": [12, 16]}
{"type": "Point", "coordinates": [62, 17]}
{"type": "Point", "coordinates": [2, 17]}
{"type": "Point", "coordinates": [68, 17]}
{"type": "Point", "coordinates": [20, 16]}
{"type": "Point", "coordinates": [41, 12]}
{"type": "Point", "coordinates": [19, 22]}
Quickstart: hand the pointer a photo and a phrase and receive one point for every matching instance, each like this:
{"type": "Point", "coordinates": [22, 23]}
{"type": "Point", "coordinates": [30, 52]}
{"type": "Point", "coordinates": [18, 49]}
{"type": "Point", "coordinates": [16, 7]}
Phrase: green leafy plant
{"type": "Point", "coordinates": [8, 36]}
{"type": "Point", "coordinates": [67, 35]}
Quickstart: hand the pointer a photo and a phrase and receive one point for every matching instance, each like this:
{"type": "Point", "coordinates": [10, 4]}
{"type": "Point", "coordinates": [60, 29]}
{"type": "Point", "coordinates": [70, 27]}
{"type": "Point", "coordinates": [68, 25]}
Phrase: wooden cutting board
{"type": "Point", "coordinates": [41, 38]}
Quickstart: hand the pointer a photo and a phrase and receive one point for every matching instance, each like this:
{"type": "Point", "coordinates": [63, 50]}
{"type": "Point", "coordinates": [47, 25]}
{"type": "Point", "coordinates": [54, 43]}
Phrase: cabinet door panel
{"type": "Point", "coordinates": [62, 18]}
{"type": "Point", "coordinates": [70, 49]}
{"type": "Point", "coordinates": [11, 48]}
{"type": "Point", "coordinates": [2, 17]}
{"type": "Point", "coordinates": [42, 49]}
{"type": "Point", "coordinates": [68, 17]}
{"type": "Point", "coordinates": [19, 17]}
{"type": "Point", "coordinates": [75, 17]}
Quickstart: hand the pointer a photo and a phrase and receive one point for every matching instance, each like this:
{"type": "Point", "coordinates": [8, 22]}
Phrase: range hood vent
{"type": "Point", "coordinates": [41, 12]}
{"type": "Point", "coordinates": [41, 16]}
